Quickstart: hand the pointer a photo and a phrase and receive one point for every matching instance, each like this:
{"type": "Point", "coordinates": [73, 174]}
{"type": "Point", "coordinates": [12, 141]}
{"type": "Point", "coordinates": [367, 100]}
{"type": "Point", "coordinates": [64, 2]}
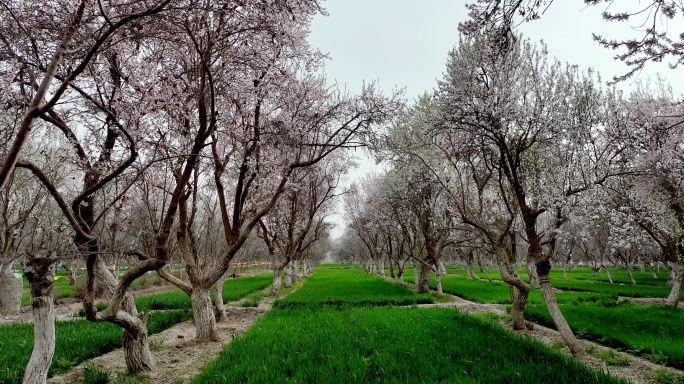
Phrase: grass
{"type": "Point", "coordinates": [653, 332]}
{"type": "Point", "coordinates": [76, 341]}
{"type": "Point", "coordinates": [498, 293]}
{"type": "Point", "coordinates": [233, 289]}
{"type": "Point", "coordinates": [396, 345]}
{"type": "Point", "coordinates": [350, 287]}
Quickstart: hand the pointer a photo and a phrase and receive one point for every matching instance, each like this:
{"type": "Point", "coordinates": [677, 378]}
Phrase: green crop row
{"type": "Point", "coordinates": [76, 341]}
{"type": "Point", "coordinates": [396, 345]}
{"type": "Point", "coordinates": [233, 289]}
{"type": "Point", "coordinates": [654, 332]}
{"type": "Point", "coordinates": [499, 293]}
{"type": "Point", "coordinates": [350, 287]}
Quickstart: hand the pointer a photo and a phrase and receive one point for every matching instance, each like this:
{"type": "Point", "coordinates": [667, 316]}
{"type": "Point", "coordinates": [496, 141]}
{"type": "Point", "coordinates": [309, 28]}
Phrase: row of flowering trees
{"type": "Point", "coordinates": [528, 160]}
{"type": "Point", "coordinates": [155, 129]}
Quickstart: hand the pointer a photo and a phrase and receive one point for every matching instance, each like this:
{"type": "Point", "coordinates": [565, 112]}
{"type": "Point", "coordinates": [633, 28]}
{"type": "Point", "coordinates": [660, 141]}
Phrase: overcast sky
{"type": "Point", "coordinates": [404, 43]}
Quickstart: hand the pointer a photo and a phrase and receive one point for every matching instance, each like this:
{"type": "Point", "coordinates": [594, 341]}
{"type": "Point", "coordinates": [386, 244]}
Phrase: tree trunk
{"type": "Point", "coordinates": [654, 273]}
{"type": "Point", "coordinates": [277, 280]}
{"type": "Point", "coordinates": [676, 292]}
{"type": "Point", "coordinates": [442, 268]}
{"type": "Point", "coordinates": [219, 307]}
{"type": "Point", "coordinates": [532, 274]}
{"type": "Point", "coordinates": [136, 346]}
{"type": "Point", "coordinates": [305, 268]}
{"type": "Point", "coordinates": [416, 276]}
{"type": "Point", "coordinates": [381, 269]}
{"type": "Point", "coordinates": [610, 278]}
{"type": "Point", "coordinates": [519, 290]}
{"type": "Point", "coordinates": [295, 270]}
{"type": "Point", "coordinates": [423, 284]}
{"type": "Point", "coordinates": [630, 274]}
{"type": "Point", "coordinates": [10, 299]}
{"type": "Point", "coordinates": [438, 280]}
{"type": "Point", "coordinates": [39, 275]}
{"type": "Point", "coordinates": [558, 318]}
{"type": "Point", "coordinates": [471, 273]}
{"type": "Point", "coordinates": [399, 277]}
{"type": "Point", "coordinates": [485, 273]}
{"type": "Point", "coordinates": [205, 322]}
{"type": "Point", "coordinates": [288, 276]}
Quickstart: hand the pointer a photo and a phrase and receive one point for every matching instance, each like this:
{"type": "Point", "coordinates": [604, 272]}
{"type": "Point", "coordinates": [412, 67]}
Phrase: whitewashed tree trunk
{"type": "Point", "coordinates": [416, 276]}
{"type": "Point", "coordinates": [305, 269]}
{"type": "Point", "coordinates": [41, 279]}
{"type": "Point", "coordinates": [219, 307]}
{"type": "Point", "coordinates": [10, 294]}
{"type": "Point", "coordinates": [277, 280]}
{"type": "Point", "coordinates": [295, 270]}
{"type": "Point", "coordinates": [205, 322]}
{"type": "Point", "coordinates": [654, 272]}
{"type": "Point", "coordinates": [532, 274]}
{"type": "Point", "coordinates": [288, 276]}
{"type": "Point", "coordinates": [677, 282]}
{"type": "Point", "coordinates": [399, 277]}
{"type": "Point", "coordinates": [438, 280]}
{"type": "Point", "coordinates": [381, 269]}
{"type": "Point", "coordinates": [610, 278]}
{"type": "Point", "coordinates": [630, 274]}
{"type": "Point", "coordinates": [471, 273]}
{"type": "Point", "coordinates": [442, 268]}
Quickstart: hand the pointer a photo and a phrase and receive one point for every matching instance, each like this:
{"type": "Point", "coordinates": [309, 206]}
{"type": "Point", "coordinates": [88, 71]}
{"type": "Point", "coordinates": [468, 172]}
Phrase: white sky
{"type": "Point", "coordinates": [404, 44]}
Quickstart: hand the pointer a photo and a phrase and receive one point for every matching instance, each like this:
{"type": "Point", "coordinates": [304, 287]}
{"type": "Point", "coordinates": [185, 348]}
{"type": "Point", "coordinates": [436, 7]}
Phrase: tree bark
{"type": "Point", "coordinates": [288, 276]}
{"type": "Point", "coordinates": [532, 274]}
{"type": "Point", "coordinates": [630, 274]}
{"type": "Point", "coordinates": [471, 273]}
{"type": "Point", "coordinates": [295, 270]}
{"type": "Point", "coordinates": [205, 322]}
{"type": "Point", "coordinates": [10, 299]}
{"type": "Point", "coordinates": [442, 268]}
{"type": "Point", "coordinates": [423, 284]}
{"type": "Point", "coordinates": [519, 290]}
{"type": "Point", "coordinates": [219, 307]}
{"type": "Point", "coordinates": [40, 277]}
{"type": "Point", "coordinates": [277, 280]}
{"type": "Point", "coordinates": [552, 305]}
{"type": "Point", "coordinates": [136, 346]}
{"type": "Point", "coordinates": [438, 280]}
{"type": "Point", "coordinates": [676, 292]}
{"type": "Point", "coordinates": [399, 277]}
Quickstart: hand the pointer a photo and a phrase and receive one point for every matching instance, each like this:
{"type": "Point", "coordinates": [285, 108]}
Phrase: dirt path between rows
{"type": "Point", "coordinates": [178, 358]}
{"type": "Point", "coordinates": [639, 370]}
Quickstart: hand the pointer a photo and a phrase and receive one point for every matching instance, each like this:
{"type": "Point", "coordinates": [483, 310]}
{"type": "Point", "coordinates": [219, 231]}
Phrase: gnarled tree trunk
{"type": "Point", "coordinates": [519, 290]}
{"type": "Point", "coordinates": [549, 296]}
{"type": "Point", "coordinates": [677, 282]}
{"type": "Point", "coordinates": [219, 307]}
{"type": "Point", "coordinates": [136, 346]}
{"type": "Point", "coordinates": [423, 284]}
{"type": "Point", "coordinates": [205, 322]}
{"type": "Point", "coordinates": [39, 274]}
